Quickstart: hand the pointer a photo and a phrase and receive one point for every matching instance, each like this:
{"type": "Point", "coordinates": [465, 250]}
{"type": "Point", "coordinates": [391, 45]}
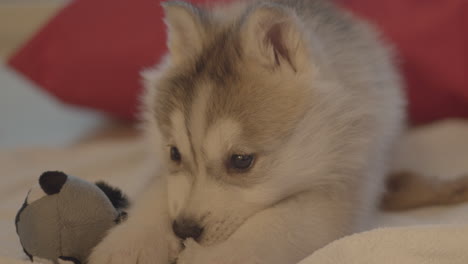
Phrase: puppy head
{"type": "Point", "coordinates": [224, 107]}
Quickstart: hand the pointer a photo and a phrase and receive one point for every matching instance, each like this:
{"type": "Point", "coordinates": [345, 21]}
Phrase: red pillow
{"type": "Point", "coordinates": [431, 37]}
{"type": "Point", "coordinates": [91, 53]}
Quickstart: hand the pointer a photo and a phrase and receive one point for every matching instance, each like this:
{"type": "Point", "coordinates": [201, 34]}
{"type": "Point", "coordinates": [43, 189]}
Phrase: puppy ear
{"type": "Point", "coordinates": [185, 26]}
{"type": "Point", "coordinates": [272, 35]}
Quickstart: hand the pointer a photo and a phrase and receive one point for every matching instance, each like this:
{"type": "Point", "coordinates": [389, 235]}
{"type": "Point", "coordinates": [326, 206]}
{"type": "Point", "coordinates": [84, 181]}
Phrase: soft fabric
{"type": "Point", "coordinates": [6, 260]}
{"type": "Point", "coordinates": [119, 162]}
{"type": "Point", "coordinates": [64, 217]}
{"type": "Point", "coordinates": [439, 150]}
{"type": "Point", "coordinates": [404, 245]}
{"type": "Point", "coordinates": [91, 53]}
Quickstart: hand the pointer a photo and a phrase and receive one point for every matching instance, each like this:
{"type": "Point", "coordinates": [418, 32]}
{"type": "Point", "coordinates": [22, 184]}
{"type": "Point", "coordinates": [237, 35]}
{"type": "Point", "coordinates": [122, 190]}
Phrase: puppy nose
{"type": "Point", "coordinates": [186, 228]}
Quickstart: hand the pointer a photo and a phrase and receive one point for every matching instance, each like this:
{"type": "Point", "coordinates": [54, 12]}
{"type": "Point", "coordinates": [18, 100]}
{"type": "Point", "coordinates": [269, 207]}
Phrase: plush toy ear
{"type": "Point", "coordinates": [52, 182]}
{"type": "Point", "coordinates": [121, 217]}
{"type": "Point", "coordinates": [118, 199]}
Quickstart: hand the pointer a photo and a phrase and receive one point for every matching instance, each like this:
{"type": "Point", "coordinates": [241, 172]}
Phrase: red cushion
{"type": "Point", "coordinates": [91, 53]}
{"type": "Point", "coordinates": [431, 37]}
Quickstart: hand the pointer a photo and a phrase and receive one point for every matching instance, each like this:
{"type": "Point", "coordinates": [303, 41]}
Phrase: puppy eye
{"type": "Point", "coordinates": [241, 162]}
{"type": "Point", "coordinates": [175, 154]}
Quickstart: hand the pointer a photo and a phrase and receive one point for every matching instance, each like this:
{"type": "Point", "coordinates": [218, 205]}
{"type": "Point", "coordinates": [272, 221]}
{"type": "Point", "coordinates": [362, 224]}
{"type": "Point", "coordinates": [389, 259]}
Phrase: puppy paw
{"type": "Point", "coordinates": [194, 253]}
{"type": "Point", "coordinates": [127, 244]}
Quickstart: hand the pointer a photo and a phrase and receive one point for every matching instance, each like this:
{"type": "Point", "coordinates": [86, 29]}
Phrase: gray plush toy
{"type": "Point", "coordinates": [64, 217]}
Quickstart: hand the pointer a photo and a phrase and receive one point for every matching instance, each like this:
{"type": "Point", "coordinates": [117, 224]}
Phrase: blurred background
{"type": "Point", "coordinates": [70, 67]}
{"type": "Point", "coordinates": [28, 115]}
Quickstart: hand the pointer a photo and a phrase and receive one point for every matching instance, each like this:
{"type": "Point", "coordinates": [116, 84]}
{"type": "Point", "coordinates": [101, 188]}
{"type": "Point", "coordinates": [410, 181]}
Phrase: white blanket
{"type": "Point", "coordinates": [399, 245]}
{"type": "Point", "coordinates": [439, 151]}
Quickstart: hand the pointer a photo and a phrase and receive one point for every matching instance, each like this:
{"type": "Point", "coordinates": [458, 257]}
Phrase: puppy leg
{"type": "Point", "coordinates": [282, 234]}
{"type": "Point", "coordinates": [407, 190]}
{"type": "Point", "coordinates": [145, 237]}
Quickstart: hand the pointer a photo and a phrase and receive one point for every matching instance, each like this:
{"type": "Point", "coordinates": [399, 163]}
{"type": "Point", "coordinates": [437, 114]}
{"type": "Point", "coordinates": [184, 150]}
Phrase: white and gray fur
{"type": "Point", "coordinates": [307, 88]}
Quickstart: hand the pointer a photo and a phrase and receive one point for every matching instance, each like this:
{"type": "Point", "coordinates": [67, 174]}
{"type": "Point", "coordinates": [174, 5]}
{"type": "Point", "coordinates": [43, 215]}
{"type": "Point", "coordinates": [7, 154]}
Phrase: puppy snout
{"type": "Point", "coordinates": [185, 228]}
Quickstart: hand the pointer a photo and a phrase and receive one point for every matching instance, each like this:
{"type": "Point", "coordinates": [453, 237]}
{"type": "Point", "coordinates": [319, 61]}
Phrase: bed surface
{"type": "Point", "coordinates": [439, 150]}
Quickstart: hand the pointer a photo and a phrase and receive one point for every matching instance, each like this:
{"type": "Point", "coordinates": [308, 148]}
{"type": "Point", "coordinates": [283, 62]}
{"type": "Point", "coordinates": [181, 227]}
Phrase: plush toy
{"type": "Point", "coordinates": [64, 217]}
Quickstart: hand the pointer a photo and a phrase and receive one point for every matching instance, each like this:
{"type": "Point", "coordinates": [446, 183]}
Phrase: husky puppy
{"type": "Point", "coordinates": [274, 121]}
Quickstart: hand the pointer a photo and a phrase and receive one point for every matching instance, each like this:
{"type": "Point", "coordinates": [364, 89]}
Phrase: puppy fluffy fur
{"type": "Point", "coordinates": [306, 89]}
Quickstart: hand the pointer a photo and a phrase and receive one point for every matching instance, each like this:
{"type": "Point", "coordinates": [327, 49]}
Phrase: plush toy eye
{"type": "Point", "coordinates": [175, 154]}
{"type": "Point", "coordinates": [241, 162]}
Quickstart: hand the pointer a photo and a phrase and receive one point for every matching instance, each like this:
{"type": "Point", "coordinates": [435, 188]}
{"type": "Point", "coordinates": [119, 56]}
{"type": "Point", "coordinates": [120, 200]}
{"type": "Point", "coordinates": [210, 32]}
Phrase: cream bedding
{"type": "Point", "coordinates": [439, 150]}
